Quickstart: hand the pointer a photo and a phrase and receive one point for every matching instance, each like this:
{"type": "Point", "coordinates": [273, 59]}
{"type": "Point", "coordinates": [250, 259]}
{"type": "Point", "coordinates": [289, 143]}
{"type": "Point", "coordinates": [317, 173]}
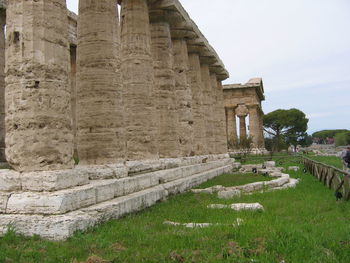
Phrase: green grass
{"type": "Point", "coordinates": [330, 160]}
{"type": "Point", "coordinates": [304, 224]}
{"type": "Point", "coordinates": [235, 179]}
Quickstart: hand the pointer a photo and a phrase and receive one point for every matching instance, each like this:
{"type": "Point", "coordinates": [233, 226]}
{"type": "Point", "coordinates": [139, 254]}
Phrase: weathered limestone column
{"type": "Point", "coordinates": [38, 112]}
{"type": "Point", "coordinates": [231, 128]}
{"type": "Point", "coordinates": [242, 112]}
{"type": "Point", "coordinates": [99, 97]}
{"type": "Point", "coordinates": [215, 112]}
{"type": "Point", "coordinates": [208, 108]}
{"type": "Point", "coordinates": [199, 126]}
{"type": "Point", "coordinates": [138, 80]}
{"type": "Point", "coordinates": [164, 80]}
{"type": "Point", "coordinates": [2, 84]}
{"type": "Point", "coordinates": [261, 129]}
{"type": "Point", "coordinates": [242, 128]}
{"type": "Point", "coordinates": [183, 97]}
{"type": "Point", "coordinates": [223, 146]}
{"type": "Point", "coordinates": [254, 123]}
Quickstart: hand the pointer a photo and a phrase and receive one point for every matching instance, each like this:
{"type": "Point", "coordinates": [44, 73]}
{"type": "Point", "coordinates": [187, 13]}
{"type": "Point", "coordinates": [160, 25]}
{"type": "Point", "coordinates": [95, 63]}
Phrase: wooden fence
{"type": "Point", "coordinates": [331, 176]}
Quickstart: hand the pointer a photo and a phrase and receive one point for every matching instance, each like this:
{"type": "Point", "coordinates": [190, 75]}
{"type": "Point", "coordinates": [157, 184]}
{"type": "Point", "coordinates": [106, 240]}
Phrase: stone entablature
{"type": "Point", "coordinates": [121, 94]}
{"type": "Point", "coordinates": [242, 100]}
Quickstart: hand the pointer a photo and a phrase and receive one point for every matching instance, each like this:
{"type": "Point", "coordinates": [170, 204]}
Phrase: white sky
{"type": "Point", "coordinates": [301, 49]}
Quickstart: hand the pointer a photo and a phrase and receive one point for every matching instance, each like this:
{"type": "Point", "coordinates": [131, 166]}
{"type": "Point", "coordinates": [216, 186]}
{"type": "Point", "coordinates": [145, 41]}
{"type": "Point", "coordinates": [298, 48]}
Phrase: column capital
{"type": "Point", "coordinates": [242, 110]}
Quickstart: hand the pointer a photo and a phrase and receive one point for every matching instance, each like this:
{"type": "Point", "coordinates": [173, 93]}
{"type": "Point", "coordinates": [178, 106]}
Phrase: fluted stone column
{"type": "Point", "coordinates": [199, 126]}
{"type": "Point", "coordinates": [208, 108]}
{"type": "Point", "coordinates": [138, 80]}
{"type": "Point", "coordinates": [215, 112]}
{"type": "Point", "coordinates": [38, 111]}
{"type": "Point", "coordinates": [231, 128]}
{"type": "Point", "coordinates": [183, 97]}
{"type": "Point", "coordinates": [261, 129]}
{"type": "Point", "coordinates": [2, 84]}
{"type": "Point", "coordinates": [164, 83]}
{"type": "Point", "coordinates": [254, 124]}
{"type": "Point", "coordinates": [242, 128]}
{"type": "Point", "coordinates": [220, 121]}
{"type": "Point", "coordinates": [99, 96]}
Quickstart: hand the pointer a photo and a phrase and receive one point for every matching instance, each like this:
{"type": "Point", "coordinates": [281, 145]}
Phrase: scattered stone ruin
{"type": "Point", "coordinates": [136, 98]}
{"type": "Point", "coordinates": [240, 101]}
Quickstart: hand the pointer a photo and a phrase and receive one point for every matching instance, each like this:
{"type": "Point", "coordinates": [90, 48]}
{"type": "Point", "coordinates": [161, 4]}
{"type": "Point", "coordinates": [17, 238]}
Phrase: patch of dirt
{"type": "Point", "coordinates": [118, 247]}
{"type": "Point", "coordinates": [174, 256]}
{"type": "Point", "coordinates": [93, 259]}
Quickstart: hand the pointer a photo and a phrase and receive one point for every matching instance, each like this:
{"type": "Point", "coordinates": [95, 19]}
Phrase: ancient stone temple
{"type": "Point", "coordinates": [243, 101]}
{"type": "Point", "coordinates": [104, 113]}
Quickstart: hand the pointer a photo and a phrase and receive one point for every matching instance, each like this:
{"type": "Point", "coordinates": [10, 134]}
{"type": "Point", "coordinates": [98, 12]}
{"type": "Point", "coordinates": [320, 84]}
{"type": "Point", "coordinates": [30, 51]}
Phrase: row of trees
{"type": "Point", "coordinates": [341, 137]}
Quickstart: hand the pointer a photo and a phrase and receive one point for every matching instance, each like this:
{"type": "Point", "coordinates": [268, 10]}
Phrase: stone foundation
{"type": "Point", "coordinates": [88, 195]}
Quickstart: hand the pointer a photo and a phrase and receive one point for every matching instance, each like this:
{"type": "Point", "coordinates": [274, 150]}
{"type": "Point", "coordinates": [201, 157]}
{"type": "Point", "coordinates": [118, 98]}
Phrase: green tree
{"type": "Point", "coordinates": [286, 127]}
{"type": "Point", "coordinates": [342, 138]}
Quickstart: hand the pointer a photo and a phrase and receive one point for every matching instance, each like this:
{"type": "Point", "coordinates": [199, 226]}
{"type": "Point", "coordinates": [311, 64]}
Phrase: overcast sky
{"type": "Point", "coordinates": [301, 49]}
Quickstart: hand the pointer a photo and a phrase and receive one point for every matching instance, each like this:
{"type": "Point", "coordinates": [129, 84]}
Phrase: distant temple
{"type": "Point", "coordinates": [243, 100]}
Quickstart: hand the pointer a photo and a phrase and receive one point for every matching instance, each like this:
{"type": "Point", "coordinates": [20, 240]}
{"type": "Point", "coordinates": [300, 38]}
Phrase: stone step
{"type": "Point", "coordinates": [97, 191]}
{"type": "Point", "coordinates": [59, 227]}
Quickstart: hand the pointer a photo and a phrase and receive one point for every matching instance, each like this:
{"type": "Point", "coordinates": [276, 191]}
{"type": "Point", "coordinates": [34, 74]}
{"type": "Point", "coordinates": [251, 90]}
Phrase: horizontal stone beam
{"type": "Point", "coordinates": [182, 25]}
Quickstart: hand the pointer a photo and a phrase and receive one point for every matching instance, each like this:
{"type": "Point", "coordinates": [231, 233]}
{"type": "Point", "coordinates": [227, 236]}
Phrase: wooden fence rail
{"type": "Point", "coordinates": [332, 177]}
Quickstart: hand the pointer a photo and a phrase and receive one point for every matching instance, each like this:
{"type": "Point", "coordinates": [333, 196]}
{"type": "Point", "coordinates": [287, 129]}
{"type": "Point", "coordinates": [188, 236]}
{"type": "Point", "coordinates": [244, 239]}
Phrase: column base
{"type": "Point", "coordinates": [88, 195]}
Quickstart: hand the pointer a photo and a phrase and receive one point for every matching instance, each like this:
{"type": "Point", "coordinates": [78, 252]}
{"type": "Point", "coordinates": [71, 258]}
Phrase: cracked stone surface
{"type": "Point", "coordinates": [38, 133]}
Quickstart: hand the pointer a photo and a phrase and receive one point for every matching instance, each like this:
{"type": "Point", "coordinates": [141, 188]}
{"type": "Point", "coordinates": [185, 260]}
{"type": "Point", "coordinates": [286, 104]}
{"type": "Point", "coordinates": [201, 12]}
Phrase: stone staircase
{"type": "Point", "coordinates": [58, 214]}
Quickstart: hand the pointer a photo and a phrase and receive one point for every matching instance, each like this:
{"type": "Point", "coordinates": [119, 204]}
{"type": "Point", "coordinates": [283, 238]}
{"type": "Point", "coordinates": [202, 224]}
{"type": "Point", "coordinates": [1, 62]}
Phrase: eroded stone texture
{"type": "Point", "coordinates": [242, 112]}
{"type": "Point", "coordinates": [138, 80]}
{"type": "Point", "coordinates": [99, 97]}
{"type": "Point", "coordinates": [254, 125]}
{"type": "Point", "coordinates": [208, 108]}
{"type": "Point", "coordinates": [38, 112]}
{"type": "Point", "coordinates": [223, 147]}
{"type": "Point", "coordinates": [199, 127]}
{"type": "Point", "coordinates": [261, 129]}
{"type": "Point", "coordinates": [72, 80]}
{"type": "Point", "coordinates": [249, 95]}
{"type": "Point", "coordinates": [231, 127]}
{"type": "Point", "coordinates": [164, 83]}
{"type": "Point", "coordinates": [219, 127]}
{"type": "Point", "coordinates": [183, 96]}
{"type": "Point", "coordinates": [2, 84]}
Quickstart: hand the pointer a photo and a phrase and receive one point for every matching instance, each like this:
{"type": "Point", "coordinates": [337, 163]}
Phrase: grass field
{"type": "Point", "coordinates": [299, 225]}
{"type": "Point", "coordinates": [331, 160]}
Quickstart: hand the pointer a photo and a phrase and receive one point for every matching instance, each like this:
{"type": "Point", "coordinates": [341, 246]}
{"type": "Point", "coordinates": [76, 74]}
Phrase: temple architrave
{"type": "Point", "coordinates": [243, 101]}
{"type": "Point", "coordinates": [105, 113]}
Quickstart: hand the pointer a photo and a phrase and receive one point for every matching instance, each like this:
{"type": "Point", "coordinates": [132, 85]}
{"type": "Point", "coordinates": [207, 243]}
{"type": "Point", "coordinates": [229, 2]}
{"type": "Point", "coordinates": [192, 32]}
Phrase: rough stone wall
{"type": "Point", "coordinates": [99, 96]}
{"type": "Point", "coordinates": [138, 80]}
{"type": "Point", "coordinates": [38, 124]}
{"type": "Point", "coordinates": [164, 83]}
{"type": "Point", "coordinates": [199, 127]}
{"type": "Point", "coordinates": [208, 108]}
{"type": "Point", "coordinates": [183, 97]}
{"type": "Point", "coordinates": [2, 84]}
